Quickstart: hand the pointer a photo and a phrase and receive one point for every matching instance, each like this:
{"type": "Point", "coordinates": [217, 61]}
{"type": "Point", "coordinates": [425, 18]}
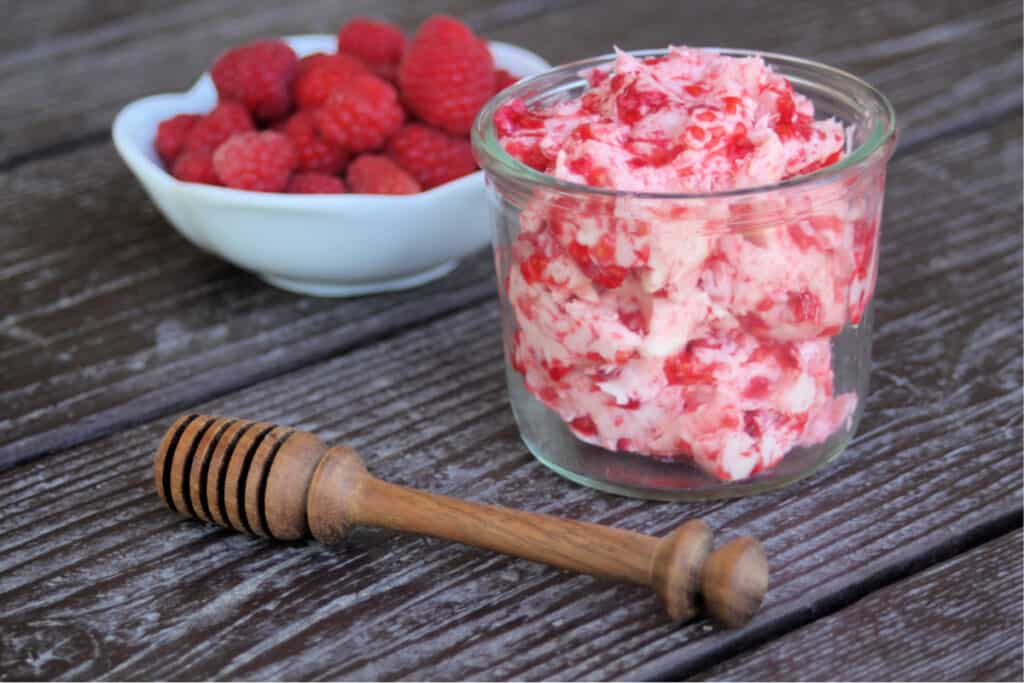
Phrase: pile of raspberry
{"type": "Point", "coordinates": [383, 115]}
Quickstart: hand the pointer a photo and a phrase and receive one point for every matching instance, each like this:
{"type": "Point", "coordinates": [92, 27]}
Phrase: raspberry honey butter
{"type": "Point", "coordinates": [686, 244]}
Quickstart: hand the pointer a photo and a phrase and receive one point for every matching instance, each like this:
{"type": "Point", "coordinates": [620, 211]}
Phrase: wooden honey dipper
{"type": "Point", "coordinates": [286, 484]}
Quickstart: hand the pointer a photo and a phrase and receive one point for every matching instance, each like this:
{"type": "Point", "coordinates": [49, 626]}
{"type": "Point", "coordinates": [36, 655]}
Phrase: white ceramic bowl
{"type": "Point", "coordinates": [325, 245]}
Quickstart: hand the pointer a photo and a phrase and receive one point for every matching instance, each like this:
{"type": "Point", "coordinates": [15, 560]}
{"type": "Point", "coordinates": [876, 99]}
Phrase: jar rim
{"type": "Point", "coordinates": [495, 160]}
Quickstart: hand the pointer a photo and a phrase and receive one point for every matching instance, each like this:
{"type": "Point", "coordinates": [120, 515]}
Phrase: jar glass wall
{"type": "Point", "coordinates": [690, 346]}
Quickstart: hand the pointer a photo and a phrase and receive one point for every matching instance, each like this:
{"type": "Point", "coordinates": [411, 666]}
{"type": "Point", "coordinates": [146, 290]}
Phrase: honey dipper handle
{"type": "Point", "coordinates": [342, 494]}
{"type": "Point", "coordinates": [563, 543]}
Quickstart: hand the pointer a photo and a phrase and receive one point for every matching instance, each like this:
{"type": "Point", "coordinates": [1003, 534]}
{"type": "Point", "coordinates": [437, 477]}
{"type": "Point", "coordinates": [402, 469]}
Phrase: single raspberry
{"type": "Point", "coordinates": [377, 174]}
{"type": "Point", "coordinates": [432, 156]}
{"type": "Point", "coordinates": [225, 120]}
{"type": "Point", "coordinates": [309, 61]}
{"type": "Point", "coordinates": [320, 79]}
{"type": "Point", "coordinates": [447, 74]}
{"type": "Point", "coordinates": [377, 43]}
{"type": "Point", "coordinates": [315, 183]}
{"type": "Point", "coordinates": [259, 161]}
{"type": "Point", "coordinates": [259, 75]}
{"type": "Point", "coordinates": [315, 153]}
{"type": "Point", "coordinates": [361, 114]}
{"type": "Point", "coordinates": [503, 79]}
{"type": "Point", "coordinates": [195, 166]}
{"type": "Point", "coordinates": [171, 135]}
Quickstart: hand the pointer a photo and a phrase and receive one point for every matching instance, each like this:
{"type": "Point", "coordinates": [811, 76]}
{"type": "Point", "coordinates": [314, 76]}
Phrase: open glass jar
{"type": "Point", "coordinates": [690, 346]}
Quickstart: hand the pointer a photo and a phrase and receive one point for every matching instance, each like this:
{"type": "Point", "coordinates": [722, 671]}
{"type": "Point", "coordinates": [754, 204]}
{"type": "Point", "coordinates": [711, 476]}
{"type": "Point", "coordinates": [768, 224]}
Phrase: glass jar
{"type": "Point", "coordinates": [745, 365]}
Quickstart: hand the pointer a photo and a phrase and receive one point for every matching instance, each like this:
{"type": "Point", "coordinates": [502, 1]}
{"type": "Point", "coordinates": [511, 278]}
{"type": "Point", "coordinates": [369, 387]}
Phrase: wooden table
{"type": "Point", "coordinates": [901, 560]}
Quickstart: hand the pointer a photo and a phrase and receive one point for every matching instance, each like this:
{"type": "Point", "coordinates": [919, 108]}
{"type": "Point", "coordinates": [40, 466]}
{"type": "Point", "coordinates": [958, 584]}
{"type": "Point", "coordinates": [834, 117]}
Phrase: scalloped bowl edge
{"type": "Point", "coordinates": [324, 245]}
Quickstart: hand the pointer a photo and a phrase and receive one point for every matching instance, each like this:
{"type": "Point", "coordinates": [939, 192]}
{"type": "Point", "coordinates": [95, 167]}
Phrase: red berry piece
{"type": "Point", "coordinates": [684, 368]}
{"type": "Point", "coordinates": [514, 117]}
{"type": "Point", "coordinates": [633, 103]}
{"type": "Point", "coordinates": [759, 388]}
{"type": "Point", "coordinates": [377, 174]}
{"type": "Point", "coordinates": [171, 135]}
{"type": "Point", "coordinates": [361, 114]}
{"type": "Point", "coordinates": [503, 79]}
{"type": "Point", "coordinates": [804, 306]}
{"type": "Point", "coordinates": [262, 161]}
{"type": "Point", "coordinates": [225, 120]}
{"type": "Point", "coordinates": [259, 75]}
{"type": "Point", "coordinates": [315, 153]}
{"type": "Point", "coordinates": [447, 74]}
{"type": "Point", "coordinates": [783, 353]}
{"type": "Point", "coordinates": [584, 426]}
{"type": "Point", "coordinates": [533, 268]}
{"type": "Point", "coordinates": [195, 166]}
{"type": "Point", "coordinates": [377, 44]}
{"type": "Point", "coordinates": [315, 183]}
{"type": "Point", "coordinates": [432, 156]}
{"type": "Point", "coordinates": [321, 78]}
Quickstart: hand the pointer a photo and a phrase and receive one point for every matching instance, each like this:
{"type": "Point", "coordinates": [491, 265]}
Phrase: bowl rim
{"type": "Point", "coordinates": [142, 164]}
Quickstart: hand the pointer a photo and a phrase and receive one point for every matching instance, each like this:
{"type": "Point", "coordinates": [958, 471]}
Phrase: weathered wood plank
{"type": "Point", "coordinates": [167, 47]}
{"type": "Point", "coordinates": [97, 580]}
{"type": "Point", "coordinates": [99, 333]}
{"type": "Point", "coordinates": [30, 25]}
{"type": "Point", "coordinates": [893, 45]}
{"type": "Point", "coordinates": [959, 620]}
{"type": "Point", "coordinates": [898, 47]}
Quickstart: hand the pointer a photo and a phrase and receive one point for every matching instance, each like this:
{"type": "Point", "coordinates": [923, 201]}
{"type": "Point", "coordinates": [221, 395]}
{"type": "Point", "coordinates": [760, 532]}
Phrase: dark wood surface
{"type": "Point", "coordinates": [947, 608]}
{"type": "Point", "coordinates": [101, 334]}
{"type": "Point", "coordinates": [110, 324]}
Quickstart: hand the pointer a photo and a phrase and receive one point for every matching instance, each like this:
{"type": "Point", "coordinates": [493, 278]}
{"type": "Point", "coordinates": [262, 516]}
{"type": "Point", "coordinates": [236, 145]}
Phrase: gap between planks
{"type": "Point", "coordinates": [913, 562]}
{"type": "Point", "coordinates": [515, 12]}
{"type": "Point", "coordinates": [180, 395]}
{"type": "Point", "coordinates": [472, 399]}
{"type": "Point", "coordinates": [502, 15]}
{"type": "Point", "coordinates": [1006, 107]}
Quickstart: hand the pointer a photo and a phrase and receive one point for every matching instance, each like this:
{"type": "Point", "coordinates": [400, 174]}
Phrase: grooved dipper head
{"type": "Point", "coordinates": [250, 476]}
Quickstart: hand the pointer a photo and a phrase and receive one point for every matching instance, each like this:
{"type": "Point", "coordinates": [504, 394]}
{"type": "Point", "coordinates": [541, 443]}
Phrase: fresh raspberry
{"type": "Point", "coordinates": [320, 79]}
{"type": "Point", "coordinates": [503, 79]}
{"type": "Point", "coordinates": [195, 166]}
{"type": "Point", "coordinates": [225, 120]}
{"type": "Point", "coordinates": [432, 156]}
{"type": "Point", "coordinates": [171, 135]}
{"type": "Point", "coordinates": [259, 75]}
{"type": "Point", "coordinates": [315, 153]}
{"type": "Point", "coordinates": [377, 44]}
{"type": "Point", "coordinates": [447, 74]}
{"type": "Point", "coordinates": [315, 183]}
{"type": "Point", "coordinates": [377, 174]}
{"type": "Point", "coordinates": [260, 161]}
{"type": "Point", "coordinates": [309, 61]}
{"type": "Point", "coordinates": [361, 114]}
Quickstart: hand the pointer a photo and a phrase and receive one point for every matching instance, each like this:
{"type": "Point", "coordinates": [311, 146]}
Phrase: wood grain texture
{"type": "Point", "coordinates": [105, 62]}
{"type": "Point", "coordinates": [97, 579]}
{"type": "Point", "coordinates": [937, 61]}
{"type": "Point", "coordinates": [964, 614]}
{"type": "Point", "coordinates": [120, 316]}
{"type": "Point", "coordinates": [263, 478]}
{"type": "Point", "coordinates": [29, 25]}
{"type": "Point", "coordinates": [120, 320]}
{"type": "Point", "coordinates": [896, 45]}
